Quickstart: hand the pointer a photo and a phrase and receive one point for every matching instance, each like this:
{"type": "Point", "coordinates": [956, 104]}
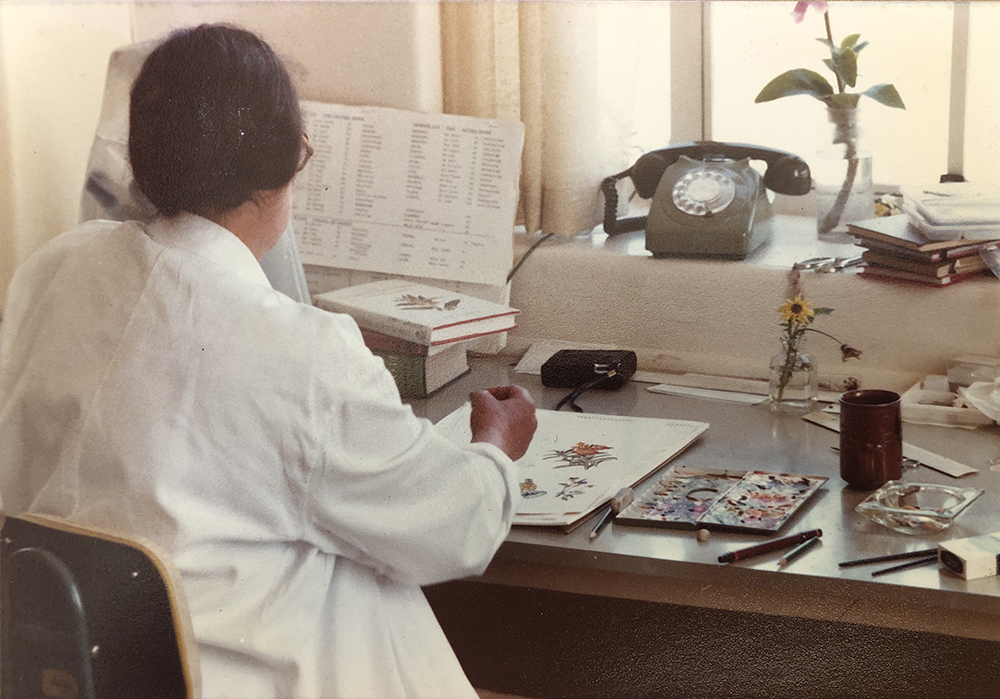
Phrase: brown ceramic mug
{"type": "Point", "coordinates": [871, 438]}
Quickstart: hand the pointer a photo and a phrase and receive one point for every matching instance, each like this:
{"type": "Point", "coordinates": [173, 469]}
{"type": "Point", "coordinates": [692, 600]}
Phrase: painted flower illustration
{"type": "Point", "coordinates": [582, 454]}
{"type": "Point", "coordinates": [576, 486]}
{"type": "Point", "coordinates": [412, 302]}
{"type": "Point", "coordinates": [583, 449]}
{"type": "Point", "coordinates": [530, 490]}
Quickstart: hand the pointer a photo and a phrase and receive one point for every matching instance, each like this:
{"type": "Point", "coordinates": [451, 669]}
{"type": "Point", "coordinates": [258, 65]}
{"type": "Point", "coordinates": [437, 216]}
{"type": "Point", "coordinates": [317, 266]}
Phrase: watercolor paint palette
{"type": "Point", "coordinates": [746, 501]}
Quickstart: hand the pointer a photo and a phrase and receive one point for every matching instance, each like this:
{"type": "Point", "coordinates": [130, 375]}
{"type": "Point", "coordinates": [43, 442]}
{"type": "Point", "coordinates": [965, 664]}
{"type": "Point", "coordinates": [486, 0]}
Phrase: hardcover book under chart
{"type": "Point", "coordinates": [578, 461]}
{"type": "Point", "coordinates": [419, 313]}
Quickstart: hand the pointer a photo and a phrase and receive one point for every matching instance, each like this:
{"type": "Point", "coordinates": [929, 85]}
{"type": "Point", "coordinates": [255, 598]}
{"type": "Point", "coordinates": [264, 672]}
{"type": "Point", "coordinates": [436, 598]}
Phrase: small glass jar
{"type": "Point", "coordinates": [842, 178]}
{"type": "Point", "coordinates": [794, 384]}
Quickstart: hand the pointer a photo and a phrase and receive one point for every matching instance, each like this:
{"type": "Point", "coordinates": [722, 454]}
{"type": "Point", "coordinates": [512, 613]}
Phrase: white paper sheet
{"type": "Point", "coordinates": [577, 462]}
{"type": "Point", "coordinates": [927, 458]}
{"type": "Point", "coordinates": [425, 195]}
{"type": "Point", "coordinates": [539, 352]}
{"type": "Point", "coordinates": [730, 396]}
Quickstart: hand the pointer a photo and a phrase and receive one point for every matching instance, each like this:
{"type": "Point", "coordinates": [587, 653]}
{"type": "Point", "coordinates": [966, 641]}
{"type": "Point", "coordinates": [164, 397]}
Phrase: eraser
{"type": "Point", "coordinates": [971, 558]}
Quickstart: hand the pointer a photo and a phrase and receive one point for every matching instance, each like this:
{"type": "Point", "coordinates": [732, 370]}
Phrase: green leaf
{"type": "Point", "coordinates": [886, 94]}
{"type": "Point", "coordinates": [843, 100]}
{"type": "Point", "coordinates": [823, 311]}
{"type": "Point", "coordinates": [857, 49]}
{"type": "Point", "coordinates": [827, 43]}
{"type": "Point", "coordinates": [828, 62]}
{"type": "Point", "coordinates": [796, 82]}
{"type": "Point", "coordinates": [849, 41]}
{"type": "Point", "coordinates": [846, 63]}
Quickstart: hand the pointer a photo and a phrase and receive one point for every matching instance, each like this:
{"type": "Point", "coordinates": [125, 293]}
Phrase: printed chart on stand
{"type": "Point", "coordinates": [426, 195]}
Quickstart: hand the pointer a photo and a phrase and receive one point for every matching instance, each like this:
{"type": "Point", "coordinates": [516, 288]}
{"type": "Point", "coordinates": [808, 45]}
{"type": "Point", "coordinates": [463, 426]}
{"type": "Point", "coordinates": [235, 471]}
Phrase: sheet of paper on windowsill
{"type": "Point", "coordinates": [718, 383]}
{"type": "Point", "coordinates": [733, 389]}
{"type": "Point", "coordinates": [531, 362]}
{"type": "Point", "coordinates": [730, 396]}
{"type": "Point", "coordinates": [929, 459]}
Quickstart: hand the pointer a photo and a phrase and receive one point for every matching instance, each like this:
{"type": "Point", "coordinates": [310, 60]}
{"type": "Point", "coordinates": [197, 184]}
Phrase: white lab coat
{"type": "Point", "coordinates": [151, 381]}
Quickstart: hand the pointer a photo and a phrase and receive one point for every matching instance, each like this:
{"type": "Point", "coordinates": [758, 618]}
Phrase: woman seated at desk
{"type": "Point", "coordinates": [152, 382]}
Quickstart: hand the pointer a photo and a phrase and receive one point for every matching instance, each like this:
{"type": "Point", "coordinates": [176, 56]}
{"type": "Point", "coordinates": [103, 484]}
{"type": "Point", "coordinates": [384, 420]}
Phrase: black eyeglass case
{"type": "Point", "coordinates": [570, 368]}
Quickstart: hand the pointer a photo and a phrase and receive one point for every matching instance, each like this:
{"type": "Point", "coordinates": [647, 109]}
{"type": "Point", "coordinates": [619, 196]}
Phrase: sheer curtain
{"type": "Point", "coordinates": [568, 71]}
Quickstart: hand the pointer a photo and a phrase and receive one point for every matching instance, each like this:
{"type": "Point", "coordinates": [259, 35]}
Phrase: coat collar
{"type": "Point", "coordinates": [207, 239]}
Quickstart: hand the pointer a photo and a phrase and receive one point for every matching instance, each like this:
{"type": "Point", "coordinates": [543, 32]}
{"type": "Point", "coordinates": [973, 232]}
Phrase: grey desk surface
{"type": "Point", "coordinates": [673, 566]}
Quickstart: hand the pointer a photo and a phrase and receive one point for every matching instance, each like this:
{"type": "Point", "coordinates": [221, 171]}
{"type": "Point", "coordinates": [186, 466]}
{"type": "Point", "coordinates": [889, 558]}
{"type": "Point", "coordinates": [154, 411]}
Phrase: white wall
{"type": "Point", "coordinates": [386, 54]}
{"type": "Point", "coordinates": [54, 55]}
{"type": "Point", "coordinates": [52, 64]}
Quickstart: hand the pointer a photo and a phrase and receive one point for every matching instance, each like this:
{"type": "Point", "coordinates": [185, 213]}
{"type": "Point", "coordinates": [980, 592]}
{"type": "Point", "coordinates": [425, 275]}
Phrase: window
{"type": "Point", "coordinates": [982, 106]}
{"type": "Point", "coordinates": [746, 44]}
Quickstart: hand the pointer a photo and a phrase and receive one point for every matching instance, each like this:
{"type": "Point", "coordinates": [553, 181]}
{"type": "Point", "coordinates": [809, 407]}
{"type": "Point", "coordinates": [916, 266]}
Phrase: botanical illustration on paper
{"type": "Point", "coordinates": [530, 490]}
{"type": "Point", "coordinates": [577, 462]}
{"type": "Point", "coordinates": [576, 486]}
{"type": "Point", "coordinates": [582, 454]}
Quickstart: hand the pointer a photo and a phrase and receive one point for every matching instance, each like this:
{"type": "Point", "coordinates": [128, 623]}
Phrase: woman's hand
{"type": "Point", "coordinates": [503, 416]}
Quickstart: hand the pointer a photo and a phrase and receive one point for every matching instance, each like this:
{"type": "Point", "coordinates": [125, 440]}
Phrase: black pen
{"type": "Point", "coordinates": [891, 557]}
{"type": "Point", "coordinates": [911, 564]}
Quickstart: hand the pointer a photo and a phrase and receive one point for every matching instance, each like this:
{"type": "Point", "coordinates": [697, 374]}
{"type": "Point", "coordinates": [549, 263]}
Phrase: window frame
{"type": "Point", "coordinates": [691, 75]}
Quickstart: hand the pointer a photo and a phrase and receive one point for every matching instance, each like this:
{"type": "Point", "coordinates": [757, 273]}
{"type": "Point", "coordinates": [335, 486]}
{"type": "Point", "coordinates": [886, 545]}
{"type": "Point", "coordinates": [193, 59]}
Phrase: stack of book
{"type": "Point", "coordinates": [895, 248]}
{"type": "Point", "coordinates": [420, 332]}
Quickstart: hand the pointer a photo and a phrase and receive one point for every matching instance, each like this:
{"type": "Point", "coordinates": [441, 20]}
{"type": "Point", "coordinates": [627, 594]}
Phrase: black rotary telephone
{"type": "Point", "coordinates": [708, 201]}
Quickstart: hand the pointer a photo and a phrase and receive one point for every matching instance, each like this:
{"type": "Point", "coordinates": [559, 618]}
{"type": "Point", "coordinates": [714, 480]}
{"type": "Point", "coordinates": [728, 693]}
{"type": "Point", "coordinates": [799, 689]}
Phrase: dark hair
{"type": "Point", "coordinates": [213, 118]}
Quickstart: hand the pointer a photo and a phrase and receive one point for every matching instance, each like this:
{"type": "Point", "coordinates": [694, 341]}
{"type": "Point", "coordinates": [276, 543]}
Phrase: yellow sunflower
{"type": "Point", "coordinates": [798, 310]}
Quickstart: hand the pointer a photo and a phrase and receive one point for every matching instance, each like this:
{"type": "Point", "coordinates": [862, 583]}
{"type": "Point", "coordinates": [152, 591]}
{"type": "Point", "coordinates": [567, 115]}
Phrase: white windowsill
{"type": "Point", "coordinates": [720, 316]}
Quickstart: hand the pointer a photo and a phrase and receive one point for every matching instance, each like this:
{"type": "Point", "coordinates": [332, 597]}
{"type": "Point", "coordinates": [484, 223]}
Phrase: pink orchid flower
{"type": "Point", "coordinates": [799, 13]}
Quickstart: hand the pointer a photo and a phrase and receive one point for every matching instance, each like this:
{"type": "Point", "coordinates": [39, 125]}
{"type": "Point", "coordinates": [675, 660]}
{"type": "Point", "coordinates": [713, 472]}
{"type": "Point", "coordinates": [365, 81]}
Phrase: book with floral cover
{"type": "Point", "coordinates": [418, 313]}
{"type": "Point", "coordinates": [578, 461]}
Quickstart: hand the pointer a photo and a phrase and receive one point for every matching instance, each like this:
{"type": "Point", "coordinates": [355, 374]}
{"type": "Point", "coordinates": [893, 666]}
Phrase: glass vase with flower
{"type": "Point", "coordinates": [794, 383]}
{"type": "Point", "coordinates": [842, 170]}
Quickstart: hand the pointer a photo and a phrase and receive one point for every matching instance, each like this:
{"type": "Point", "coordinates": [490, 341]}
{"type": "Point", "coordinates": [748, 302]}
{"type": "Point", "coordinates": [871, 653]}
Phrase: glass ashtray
{"type": "Point", "coordinates": [917, 508]}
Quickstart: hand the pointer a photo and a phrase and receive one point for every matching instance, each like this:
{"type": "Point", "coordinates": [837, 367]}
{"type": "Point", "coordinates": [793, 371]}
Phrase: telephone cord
{"type": "Point", "coordinates": [612, 225]}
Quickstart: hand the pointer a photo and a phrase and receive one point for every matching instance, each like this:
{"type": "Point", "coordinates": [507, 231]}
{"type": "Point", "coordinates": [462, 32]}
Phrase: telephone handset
{"type": "Point", "coordinates": [707, 198]}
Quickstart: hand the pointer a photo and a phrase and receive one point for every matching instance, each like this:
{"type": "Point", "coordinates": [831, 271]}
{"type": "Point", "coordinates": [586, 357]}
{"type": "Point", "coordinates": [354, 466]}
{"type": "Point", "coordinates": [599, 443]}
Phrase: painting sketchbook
{"type": "Point", "coordinates": [744, 501]}
{"type": "Point", "coordinates": [578, 461]}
